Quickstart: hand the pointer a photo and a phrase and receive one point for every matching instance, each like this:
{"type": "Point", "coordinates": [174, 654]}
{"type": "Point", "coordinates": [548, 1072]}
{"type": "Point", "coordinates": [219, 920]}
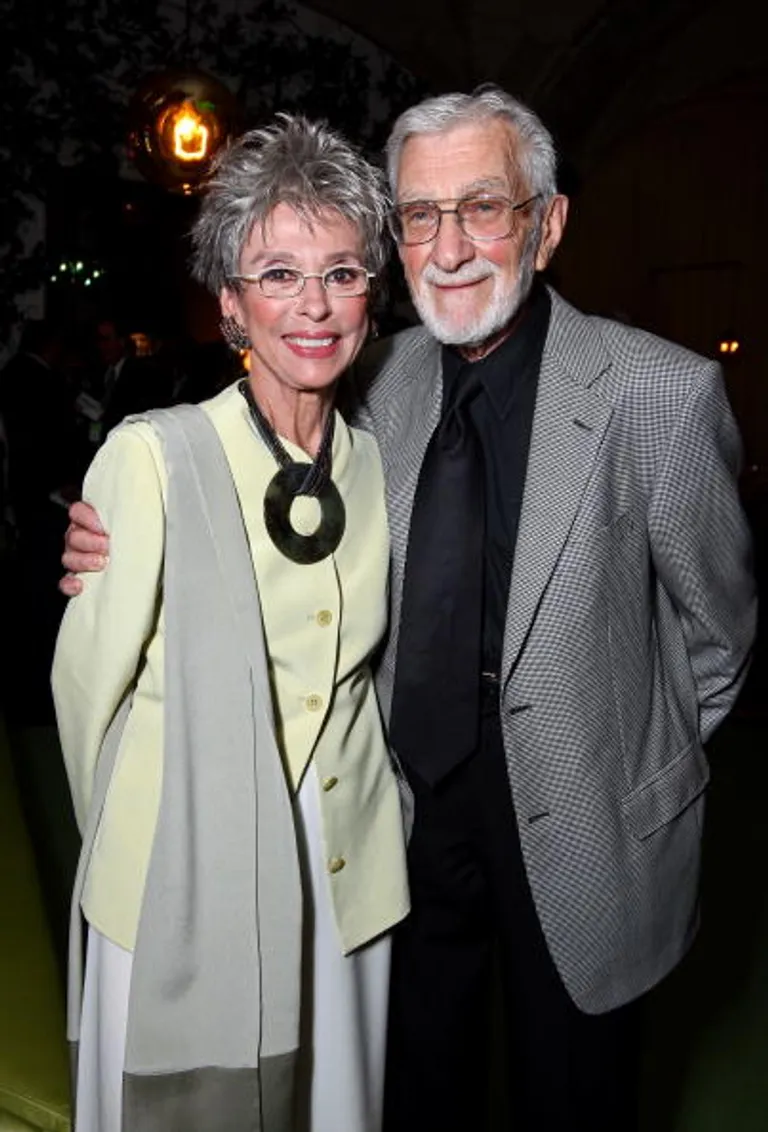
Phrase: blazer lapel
{"type": "Point", "coordinates": [570, 418]}
{"type": "Point", "coordinates": [413, 404]}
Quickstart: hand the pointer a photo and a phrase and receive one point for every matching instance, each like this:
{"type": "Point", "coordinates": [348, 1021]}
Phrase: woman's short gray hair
{"type": "Point", "coordinates": [293, 161]}
{"type": "Point", "coordinates": [536, 157]}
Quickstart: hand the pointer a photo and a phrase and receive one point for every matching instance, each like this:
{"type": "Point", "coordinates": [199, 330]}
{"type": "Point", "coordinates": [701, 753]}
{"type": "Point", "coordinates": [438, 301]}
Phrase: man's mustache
{"type": "Point", "coordinates": [468, 273]}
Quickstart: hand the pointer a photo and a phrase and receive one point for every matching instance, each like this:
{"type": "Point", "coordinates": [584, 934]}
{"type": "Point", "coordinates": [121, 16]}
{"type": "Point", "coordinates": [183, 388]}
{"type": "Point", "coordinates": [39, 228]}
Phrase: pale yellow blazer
{"type": "Point", "coordinates": [322, 623]}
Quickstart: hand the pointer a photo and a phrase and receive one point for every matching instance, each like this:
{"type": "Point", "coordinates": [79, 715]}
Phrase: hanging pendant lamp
{"type": "Point", "coordinates": [179, 119]}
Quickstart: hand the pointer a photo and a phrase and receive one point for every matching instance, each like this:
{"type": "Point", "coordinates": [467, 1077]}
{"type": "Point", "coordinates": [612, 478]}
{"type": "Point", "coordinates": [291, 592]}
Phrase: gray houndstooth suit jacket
{"type": "Point", "coordinates": [630, 620]}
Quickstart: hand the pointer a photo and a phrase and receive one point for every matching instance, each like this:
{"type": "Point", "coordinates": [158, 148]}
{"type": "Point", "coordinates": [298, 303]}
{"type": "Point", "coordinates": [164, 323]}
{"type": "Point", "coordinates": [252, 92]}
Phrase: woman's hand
{"type": "Point", "coordinates": [86, 547]}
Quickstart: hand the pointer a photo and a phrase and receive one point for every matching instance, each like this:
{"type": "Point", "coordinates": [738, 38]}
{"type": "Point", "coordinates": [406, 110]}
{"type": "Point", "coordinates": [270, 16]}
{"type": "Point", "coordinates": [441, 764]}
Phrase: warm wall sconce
{"type": "Point", "coordinates": [728, 346]}
{"type": "Point", "coordinates": [179, 119]}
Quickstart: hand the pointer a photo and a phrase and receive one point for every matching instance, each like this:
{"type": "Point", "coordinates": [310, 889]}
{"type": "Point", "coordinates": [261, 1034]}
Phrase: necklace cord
{"type": "Point", "coordinates": [319, 470]}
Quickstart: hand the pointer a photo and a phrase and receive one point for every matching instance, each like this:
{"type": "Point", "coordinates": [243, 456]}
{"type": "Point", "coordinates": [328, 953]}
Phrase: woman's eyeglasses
{"type": "Point", "coordinates": [345, 280]}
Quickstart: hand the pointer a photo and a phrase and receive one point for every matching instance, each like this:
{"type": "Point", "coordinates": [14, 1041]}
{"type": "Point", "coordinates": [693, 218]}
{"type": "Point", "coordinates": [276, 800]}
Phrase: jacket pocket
{"type": "Point", "coordinates": [670, 791]}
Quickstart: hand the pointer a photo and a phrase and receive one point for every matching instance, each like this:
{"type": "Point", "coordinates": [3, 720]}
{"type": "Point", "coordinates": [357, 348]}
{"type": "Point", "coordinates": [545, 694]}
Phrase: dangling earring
{"type": "Point", "coordinates": [233, 334]}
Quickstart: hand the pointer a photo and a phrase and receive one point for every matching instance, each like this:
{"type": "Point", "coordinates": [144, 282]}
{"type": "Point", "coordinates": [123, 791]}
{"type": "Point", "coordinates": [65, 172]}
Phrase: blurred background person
{"type": "Point", "coordinates": [45, 462]}
{"type": "Point", "coordinates": [122, 382]}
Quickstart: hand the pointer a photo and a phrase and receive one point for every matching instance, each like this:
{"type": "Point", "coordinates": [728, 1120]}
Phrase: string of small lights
{"type": "Point", "coordinates": [76, 273]}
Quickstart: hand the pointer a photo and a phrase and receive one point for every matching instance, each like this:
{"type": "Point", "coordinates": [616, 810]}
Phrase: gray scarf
{"type": "Point", "coordinates": [213, 1017]}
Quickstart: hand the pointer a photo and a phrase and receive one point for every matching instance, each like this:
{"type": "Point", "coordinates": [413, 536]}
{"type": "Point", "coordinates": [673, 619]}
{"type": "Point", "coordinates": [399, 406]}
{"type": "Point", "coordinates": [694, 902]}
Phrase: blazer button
{"type": "Point", "coordinates": [330, 782]}
{"type": "Point", "coordinates": [336, 864]}
{"type": "Point", "coordinates": [313, 702]}
{"type": "Point", "coordinates": [324, 618]}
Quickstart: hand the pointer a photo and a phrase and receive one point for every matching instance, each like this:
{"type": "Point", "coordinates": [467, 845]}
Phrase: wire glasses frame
{"type": "Point", "coordinates": [343, 280]}
{"type": "Point", "coordinates": [479, 217]}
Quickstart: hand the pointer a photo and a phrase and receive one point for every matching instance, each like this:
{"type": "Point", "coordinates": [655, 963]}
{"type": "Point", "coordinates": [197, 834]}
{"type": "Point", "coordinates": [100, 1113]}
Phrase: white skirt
{"type": "Point", "coordinates": [344, 1012]}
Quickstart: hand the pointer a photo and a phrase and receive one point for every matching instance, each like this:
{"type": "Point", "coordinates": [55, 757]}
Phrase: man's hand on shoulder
{"type": "Point", "coordinates": [86, 547]}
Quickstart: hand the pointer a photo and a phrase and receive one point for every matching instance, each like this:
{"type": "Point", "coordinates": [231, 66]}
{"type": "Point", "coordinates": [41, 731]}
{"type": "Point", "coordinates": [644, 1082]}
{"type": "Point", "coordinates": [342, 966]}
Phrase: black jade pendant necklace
{"type": "Point", "coordinates": [294, 479]}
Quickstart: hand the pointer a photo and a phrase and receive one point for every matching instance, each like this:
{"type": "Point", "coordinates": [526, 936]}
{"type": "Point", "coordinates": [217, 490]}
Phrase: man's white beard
{"type": "Point", "coordinates": [499, 311]}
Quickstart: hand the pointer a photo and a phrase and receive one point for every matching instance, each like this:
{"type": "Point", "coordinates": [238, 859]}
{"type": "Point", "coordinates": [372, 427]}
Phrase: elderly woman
{"type": "Point", "coordinates": [242, 853]}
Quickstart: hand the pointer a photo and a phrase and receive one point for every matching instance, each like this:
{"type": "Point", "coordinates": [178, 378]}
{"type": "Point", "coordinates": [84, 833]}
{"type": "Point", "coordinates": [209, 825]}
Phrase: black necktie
{"type": "Point", "coordinates": [435, 705]}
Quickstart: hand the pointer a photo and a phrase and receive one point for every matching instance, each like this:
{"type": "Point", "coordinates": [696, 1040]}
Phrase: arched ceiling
{"type": "Point", "coordinates": [589, 67]}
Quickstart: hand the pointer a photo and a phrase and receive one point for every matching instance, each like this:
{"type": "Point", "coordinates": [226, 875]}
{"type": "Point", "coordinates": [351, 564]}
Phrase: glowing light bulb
{"type": "Point", "coordinates": [190, 134]}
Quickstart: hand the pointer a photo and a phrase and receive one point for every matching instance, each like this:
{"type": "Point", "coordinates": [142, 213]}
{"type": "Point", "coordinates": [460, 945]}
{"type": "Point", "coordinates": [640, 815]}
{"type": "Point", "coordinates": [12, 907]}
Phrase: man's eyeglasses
{"type": "Point", "coordinates": [479, 217]}
{"type": "Point", "coordinates": [345, 280]}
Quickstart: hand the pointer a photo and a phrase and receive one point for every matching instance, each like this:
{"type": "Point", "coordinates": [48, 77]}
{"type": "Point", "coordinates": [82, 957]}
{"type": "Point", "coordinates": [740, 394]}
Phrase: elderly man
{"type": "Point", "coordinates": [572, 616]}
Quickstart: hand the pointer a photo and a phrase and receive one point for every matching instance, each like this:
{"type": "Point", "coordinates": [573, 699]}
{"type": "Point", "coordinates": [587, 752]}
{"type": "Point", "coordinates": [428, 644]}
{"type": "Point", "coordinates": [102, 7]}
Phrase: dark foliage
{"type": "Point", "coordinates": [69, 68]}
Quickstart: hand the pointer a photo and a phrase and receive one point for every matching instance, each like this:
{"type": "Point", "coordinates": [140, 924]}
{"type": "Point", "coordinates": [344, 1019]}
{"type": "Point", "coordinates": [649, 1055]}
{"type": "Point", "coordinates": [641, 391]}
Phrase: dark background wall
{"type": "Point", "coordinates": [666, 231]}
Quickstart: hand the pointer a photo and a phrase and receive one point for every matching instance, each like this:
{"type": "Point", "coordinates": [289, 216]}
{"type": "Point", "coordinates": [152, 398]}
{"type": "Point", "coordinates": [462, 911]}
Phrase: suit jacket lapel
{"type": "Point", "coordinates": [413, 415]}
{"type": "Point", "coordinates": [570, 418]}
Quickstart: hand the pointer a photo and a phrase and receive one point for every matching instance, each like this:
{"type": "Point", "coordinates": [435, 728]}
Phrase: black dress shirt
{"type": "Point", "coordinates": [503, 414]}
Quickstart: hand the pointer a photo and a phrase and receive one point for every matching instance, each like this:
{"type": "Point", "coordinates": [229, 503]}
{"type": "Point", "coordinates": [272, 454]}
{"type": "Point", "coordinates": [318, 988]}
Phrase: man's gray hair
{"type": "Point", "coordinates": [536, 157]}
{"type": "Point", "coordinates": [293, 161]}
